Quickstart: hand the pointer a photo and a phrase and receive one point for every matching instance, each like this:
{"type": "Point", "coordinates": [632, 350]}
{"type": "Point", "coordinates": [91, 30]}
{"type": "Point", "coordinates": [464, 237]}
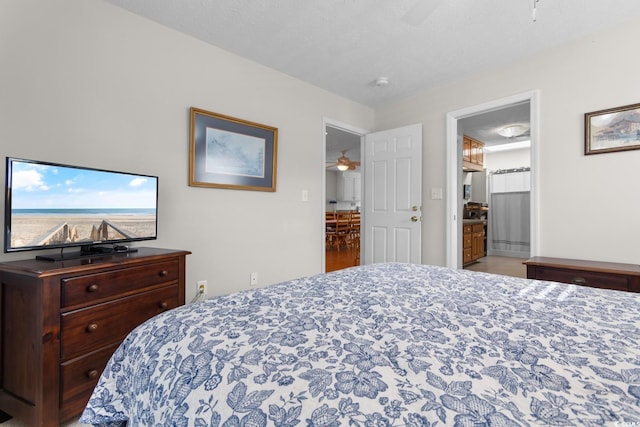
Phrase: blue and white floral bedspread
{"type": "Point", "coordinates": [383, 345]}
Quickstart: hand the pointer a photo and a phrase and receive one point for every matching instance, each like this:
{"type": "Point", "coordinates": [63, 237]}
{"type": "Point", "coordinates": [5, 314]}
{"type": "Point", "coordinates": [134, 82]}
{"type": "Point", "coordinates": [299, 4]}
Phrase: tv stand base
{"type": "Point", "coordinates": [88, 251]}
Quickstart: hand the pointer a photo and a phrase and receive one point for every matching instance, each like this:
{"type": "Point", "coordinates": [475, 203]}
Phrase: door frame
{"type": "Point", "coordinates": [454, 168]}
{"type": "Point", "coordinates": [323, 200]}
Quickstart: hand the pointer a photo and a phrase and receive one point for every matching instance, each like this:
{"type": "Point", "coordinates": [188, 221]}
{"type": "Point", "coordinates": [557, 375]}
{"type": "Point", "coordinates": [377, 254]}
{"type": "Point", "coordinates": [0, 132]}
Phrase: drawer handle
{"type": "Point", "coordinates": [92, 374]}
{"type": "Point", "coordinates": [92, 288]}
{"type": "Point", "coordinates": [163, 305]}
{"type": "Point", "coordinates": [579, 281]}
{"type": "Point", "coordinates": [164, 273]}
{"type": "Point", "coordinates": [92, 327]}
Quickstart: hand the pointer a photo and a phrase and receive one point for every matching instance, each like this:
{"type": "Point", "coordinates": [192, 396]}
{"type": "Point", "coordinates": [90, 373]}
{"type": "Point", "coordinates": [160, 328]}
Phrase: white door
{"type": "Point", "coordinates": [392, 206]}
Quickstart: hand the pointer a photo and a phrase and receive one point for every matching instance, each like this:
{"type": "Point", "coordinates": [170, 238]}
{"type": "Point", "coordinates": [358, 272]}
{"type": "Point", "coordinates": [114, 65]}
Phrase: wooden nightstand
{"type": "Point", "coordinates": [608, 275]}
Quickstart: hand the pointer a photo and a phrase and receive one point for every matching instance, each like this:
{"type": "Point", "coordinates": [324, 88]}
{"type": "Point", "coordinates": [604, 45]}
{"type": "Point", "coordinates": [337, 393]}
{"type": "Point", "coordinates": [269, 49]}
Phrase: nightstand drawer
{"type": "Point", "coordinates": [89, 328]}
{"type": "Point", "coordinates": [583, 278]}
{"type": "Point", "coordinates": [92, 288]}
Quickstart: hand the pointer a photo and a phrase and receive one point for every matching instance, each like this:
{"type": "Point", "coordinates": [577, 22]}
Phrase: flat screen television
{"type": "Point", "coordinates": [50, 205]}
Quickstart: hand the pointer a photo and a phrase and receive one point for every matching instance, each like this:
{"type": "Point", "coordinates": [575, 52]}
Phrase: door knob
{"type": "Point", "coordinates": [414, 218]}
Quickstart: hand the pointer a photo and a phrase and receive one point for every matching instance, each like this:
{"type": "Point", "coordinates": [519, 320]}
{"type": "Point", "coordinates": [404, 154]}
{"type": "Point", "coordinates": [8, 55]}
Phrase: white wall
{"type": "Point", "coordinates": [331, 190]}
{"type": "Point", "coordinates": [508, 159]}
{"type": "Point", "coordinates": [588, 204]}
{"type": "Point", "coordinates": [86, 83]}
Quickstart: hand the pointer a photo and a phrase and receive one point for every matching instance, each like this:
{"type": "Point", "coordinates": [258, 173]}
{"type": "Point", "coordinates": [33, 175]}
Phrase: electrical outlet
{"type": "Point", "coordinates": [254, 278]}
{"type": "Point", "coordinates": [201, 287]}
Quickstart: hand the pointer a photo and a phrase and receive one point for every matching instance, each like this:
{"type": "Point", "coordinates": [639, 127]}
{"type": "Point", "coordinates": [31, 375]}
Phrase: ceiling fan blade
{"type": "Point", "coordinates": [420, 11]}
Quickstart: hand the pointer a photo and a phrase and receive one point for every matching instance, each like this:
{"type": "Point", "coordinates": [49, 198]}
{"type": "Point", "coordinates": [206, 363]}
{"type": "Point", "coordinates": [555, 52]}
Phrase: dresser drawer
{"type": "Point", "coordinates": [583, 278]}
{"type": "Point", "coordinates": [466, 241]}
{"type": "Point", "coordinates": [478, 228]}
{"type": "Point", "coordinates": [90, 288]}
{"type": "Point", "coordinates": [89, 328]}
{"type": "Point", "coordinates": [467, 255]}
{"type": "Point", "coordinates": [79, 376]}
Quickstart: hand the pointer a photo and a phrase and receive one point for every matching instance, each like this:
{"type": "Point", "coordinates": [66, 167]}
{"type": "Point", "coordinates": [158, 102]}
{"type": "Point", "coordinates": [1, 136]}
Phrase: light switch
{"type": "Point", "coordinates": [436, 193]}
{"type": "Point", "coordinates": [305, 195]}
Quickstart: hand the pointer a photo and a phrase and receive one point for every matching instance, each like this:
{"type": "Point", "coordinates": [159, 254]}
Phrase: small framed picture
{"type": "Point", "coordinates": [614, 129]}
{"type": "Point", "coordinates": [226, 152]}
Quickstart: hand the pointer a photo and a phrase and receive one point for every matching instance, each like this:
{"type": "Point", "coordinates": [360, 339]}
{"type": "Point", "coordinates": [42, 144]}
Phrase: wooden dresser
{"type": "Point", "coordinates": [608, 275]}
{"type": "Point", "coordinates": [62, 320]}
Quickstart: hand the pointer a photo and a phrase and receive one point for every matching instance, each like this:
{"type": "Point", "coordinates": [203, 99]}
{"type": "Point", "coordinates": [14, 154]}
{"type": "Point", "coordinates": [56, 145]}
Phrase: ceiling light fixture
{"type": "Point", "coordinates": [382, 82]}
{"type": "Point", "coordinates": [507, 147]}
{"type": "Point", "coordinates": [512, 131]}
{"type": "Point", "coordinates": [342, 168]}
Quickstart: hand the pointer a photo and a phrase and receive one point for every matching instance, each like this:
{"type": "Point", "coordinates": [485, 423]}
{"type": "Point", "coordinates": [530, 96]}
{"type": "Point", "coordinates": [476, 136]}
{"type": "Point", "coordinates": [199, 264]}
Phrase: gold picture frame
{"type": "Point", "coordinates": [227, 152]}
{"type": "Point", "coordinates": [611, 130]}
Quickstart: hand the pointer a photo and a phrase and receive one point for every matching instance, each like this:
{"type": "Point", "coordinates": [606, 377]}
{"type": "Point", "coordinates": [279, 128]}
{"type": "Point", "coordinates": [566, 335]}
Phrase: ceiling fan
{"type": "Point", "coordinates": [344, 163]}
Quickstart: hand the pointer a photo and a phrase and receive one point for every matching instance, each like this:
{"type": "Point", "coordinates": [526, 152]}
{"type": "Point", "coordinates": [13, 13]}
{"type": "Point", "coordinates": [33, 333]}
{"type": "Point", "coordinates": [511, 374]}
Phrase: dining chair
{"type": "Point", "coordinates": [354, 228]}
{"type": "Point", "coordinates": [337, 236]}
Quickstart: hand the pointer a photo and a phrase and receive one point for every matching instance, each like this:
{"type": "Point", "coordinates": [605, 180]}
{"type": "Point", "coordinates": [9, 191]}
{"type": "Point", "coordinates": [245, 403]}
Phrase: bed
{"type": "Point", "coordinates": [382, 345]}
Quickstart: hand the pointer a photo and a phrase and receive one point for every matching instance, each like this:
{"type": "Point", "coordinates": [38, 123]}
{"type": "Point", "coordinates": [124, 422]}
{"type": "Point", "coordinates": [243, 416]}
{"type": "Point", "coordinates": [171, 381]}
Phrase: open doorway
{"type": "Point", "coordinates": [496, 196]}
{"type": "Point", "coordinates": [391, 224]}
{"type": "Point", "coordinates": [479, 198]}
{"type": "Point", "coordinates": [342, 201]}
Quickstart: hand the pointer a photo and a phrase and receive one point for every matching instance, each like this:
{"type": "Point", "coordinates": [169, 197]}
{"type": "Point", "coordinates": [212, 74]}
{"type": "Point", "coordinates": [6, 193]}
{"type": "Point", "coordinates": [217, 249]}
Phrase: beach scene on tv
{"type": "Point", "coordinates": [58, 205]}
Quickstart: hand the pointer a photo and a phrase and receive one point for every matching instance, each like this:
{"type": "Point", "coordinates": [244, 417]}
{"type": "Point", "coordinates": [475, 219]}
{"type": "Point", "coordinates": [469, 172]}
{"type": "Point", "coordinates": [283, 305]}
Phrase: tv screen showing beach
{"type": "Point", "coordinates": [51, 205]}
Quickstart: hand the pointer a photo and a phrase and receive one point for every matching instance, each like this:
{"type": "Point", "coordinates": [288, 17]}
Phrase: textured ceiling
{"type": "Point", "coordinates": [484, 127]}
{"type": "Point", "coordinates": [343, 46]}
